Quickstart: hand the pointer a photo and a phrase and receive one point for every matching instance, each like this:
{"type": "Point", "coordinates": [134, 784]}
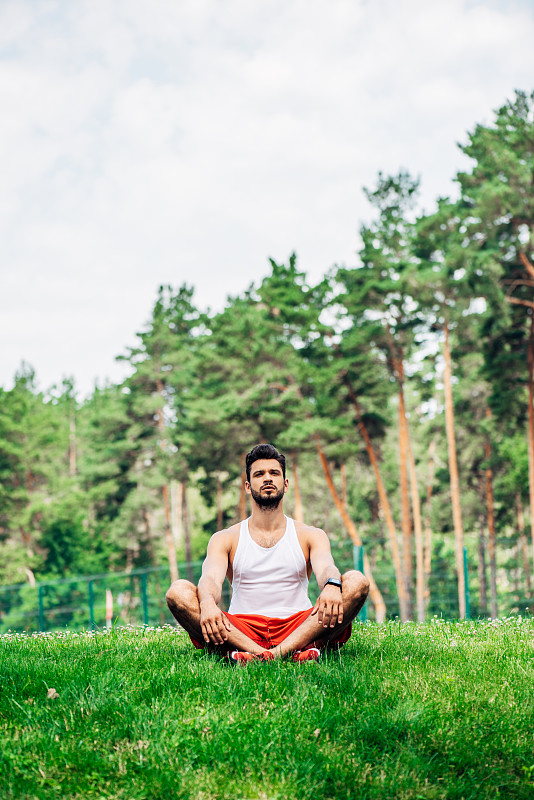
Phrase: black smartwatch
{"type": "Point", "coordinates": [334, 582]}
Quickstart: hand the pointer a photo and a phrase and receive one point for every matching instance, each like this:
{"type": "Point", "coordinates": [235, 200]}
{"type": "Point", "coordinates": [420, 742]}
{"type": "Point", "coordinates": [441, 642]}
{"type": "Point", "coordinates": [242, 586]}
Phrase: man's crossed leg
{"type": "Point", "coordinates": [222, 633]}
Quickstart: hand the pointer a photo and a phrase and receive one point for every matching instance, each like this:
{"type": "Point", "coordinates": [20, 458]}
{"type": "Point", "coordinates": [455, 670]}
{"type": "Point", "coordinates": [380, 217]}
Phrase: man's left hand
{"type": "Point", "coordinates": [329, 607]}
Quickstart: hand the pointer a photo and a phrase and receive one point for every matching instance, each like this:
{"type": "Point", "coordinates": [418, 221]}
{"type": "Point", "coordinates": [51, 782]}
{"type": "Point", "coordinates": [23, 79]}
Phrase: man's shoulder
{"type": "Point", "coordinates": [226, 536]}
{"type": "Point", "coordinates": [309, 531]}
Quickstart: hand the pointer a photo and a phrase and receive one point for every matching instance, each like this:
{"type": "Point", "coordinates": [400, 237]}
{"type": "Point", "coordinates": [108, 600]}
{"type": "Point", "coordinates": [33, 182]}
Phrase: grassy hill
{"type": "Point", "coordinates": [443, 710]}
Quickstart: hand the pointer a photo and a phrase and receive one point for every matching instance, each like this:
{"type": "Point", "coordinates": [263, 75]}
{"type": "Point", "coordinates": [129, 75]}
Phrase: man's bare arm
{"type": "Point", "coordinates": [213, 622]}
{"type": "Point", "coordinates": [329, 604]}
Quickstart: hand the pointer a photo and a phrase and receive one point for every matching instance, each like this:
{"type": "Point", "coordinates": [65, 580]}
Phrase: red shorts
{"type": "Point", "coordinates": [270, 631]}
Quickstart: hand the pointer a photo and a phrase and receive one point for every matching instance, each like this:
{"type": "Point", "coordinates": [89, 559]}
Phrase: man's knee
{"type": "Point", "coordinates": [355, 586]}
{"type": "Point", "coordinates": [181, 594]}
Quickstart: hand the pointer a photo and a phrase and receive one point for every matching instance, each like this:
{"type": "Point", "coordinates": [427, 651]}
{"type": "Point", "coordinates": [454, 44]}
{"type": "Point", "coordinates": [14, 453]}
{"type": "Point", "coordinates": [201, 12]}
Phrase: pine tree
{"type": "Point", "coordinates": [380, 300]}
{"type": "Point", "coordinates": [500, 226]}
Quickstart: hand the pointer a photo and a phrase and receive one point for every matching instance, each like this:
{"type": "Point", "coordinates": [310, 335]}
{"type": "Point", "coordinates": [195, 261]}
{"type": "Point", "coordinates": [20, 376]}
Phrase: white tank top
{"type": "Point", "coordinates": [271, 581]}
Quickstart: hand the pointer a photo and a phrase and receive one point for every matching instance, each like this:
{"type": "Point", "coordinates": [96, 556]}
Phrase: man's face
{"type": "Point", "coordinates": [267, 484]}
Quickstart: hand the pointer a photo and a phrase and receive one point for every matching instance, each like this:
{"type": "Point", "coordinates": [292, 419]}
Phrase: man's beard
{"type": "Point", "coordinates": [267, 502]}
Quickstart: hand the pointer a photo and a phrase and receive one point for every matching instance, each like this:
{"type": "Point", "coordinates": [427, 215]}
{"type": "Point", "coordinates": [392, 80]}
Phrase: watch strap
{"type": "Point", "coordinates": [334, 582]}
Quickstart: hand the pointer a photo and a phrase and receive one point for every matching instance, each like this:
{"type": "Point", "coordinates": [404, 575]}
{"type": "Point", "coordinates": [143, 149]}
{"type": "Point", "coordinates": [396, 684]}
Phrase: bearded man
{"type": "Point", "coordinates": [268, 559]}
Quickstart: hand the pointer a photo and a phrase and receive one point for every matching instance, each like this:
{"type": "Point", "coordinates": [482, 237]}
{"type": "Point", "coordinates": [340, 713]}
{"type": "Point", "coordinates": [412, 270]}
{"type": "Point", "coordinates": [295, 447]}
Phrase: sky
{"type": "Point", "coordinates": [187, 141]}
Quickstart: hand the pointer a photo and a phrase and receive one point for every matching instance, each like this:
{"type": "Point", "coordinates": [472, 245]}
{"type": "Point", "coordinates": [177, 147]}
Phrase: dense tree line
{"type": "Point", "coordinates": [401, 390]}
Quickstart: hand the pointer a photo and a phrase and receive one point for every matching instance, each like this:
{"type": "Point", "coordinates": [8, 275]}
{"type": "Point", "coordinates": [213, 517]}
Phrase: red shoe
{"type": "Point", "coordinates": [242, 657]}
{"type": "Point", "coordinates": [267, 655]}
{"type": "Point", "coordinates": [311, 654]}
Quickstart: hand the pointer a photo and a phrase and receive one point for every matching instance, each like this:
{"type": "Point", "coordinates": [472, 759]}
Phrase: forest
{"type": "Point", "coordinates": [400, 389]}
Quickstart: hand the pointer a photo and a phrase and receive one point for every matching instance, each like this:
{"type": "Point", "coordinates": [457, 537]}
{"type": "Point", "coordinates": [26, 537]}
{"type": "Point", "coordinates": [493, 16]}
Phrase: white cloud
{"type": "Point", "coordinates": [189, 141]}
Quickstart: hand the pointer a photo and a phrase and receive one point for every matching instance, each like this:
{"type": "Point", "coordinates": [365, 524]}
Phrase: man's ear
{"type": "Point", "coordinates": [247, 487]}
{"type": "Point", "coordinates": [286, 485]}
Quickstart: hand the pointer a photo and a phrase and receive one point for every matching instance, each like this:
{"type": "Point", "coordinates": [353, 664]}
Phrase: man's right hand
{"type": "Point", "coordinates": [214, 624]}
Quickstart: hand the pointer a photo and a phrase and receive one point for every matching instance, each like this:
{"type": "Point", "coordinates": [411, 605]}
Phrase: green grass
{"type": "Point", "coordinates": [443, 710]}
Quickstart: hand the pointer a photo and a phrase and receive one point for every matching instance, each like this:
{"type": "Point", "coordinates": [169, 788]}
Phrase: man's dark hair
{"type": "Point", "coordinates": [264, 451]}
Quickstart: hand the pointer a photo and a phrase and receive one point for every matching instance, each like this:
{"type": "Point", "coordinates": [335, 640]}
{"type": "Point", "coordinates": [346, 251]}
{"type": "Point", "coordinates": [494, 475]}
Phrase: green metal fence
{"type": "Point", "coordinates": [138, 597]}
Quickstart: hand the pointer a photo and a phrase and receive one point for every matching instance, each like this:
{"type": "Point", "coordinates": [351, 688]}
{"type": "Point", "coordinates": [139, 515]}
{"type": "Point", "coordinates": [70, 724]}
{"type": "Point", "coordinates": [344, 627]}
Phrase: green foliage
{"type": "Point", "coordinates": [497, 195]}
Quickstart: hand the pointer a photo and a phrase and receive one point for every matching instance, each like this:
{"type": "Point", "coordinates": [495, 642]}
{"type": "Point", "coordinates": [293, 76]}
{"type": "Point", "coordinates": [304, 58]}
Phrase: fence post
{"type": "Point", "coordinates": [91, 596]}
{"type": "Point", "coordinates": [358, 564]}
{"type": "Point", "coordinates": [466, 584]}
{"type": "Point", "coordinates": [144, 596]}
{"type": "Point", "coordinates": [109, 608]}
{"type": "Point", "coordinates": [40, 600]}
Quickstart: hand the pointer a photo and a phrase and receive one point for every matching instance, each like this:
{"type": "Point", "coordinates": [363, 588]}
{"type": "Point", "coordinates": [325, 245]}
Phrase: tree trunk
{"type": "Point", "coordinates": [491, 528]}
{"type": "Point", "coordinates": [31, 577]}
{"type": "Point", "coordinates": [523, 543]}
{"type": "Point", "coordinates": [531, 426]}
{"type": "Point", "coordinates": [27, 541]}
{"type": "Point", "coordinates": [148, 535]}
{"type": "Point", "coordinates": [482, 576]}
{"type": "Point", "coordinates": [25, 532]}
{"type": "Point", "coordinates": [418, 530]}
{"type": "Point", "coordinates": [176, 513]}
{"type": "Point", "coordinates": [383, 500]}
{"type": "Point", "coordinates": [150, 550]}
{"type": "Point", "coordinates": [406, 521]}
{"type": "Point", "coordinates": [297, 504]}
{"type": "Point", "coordinates": [343, 473]}
{"type": "Point", "coordinates": [397, 368]}
{"type": "Point", "coordinates": [453, 472]}
{"type": "Point", "coordinates": [187, 532]}
{"type": "Point", "coordinates": [374, 591]}
{"type": "Point", "coordinates": [171, 550]}
{"type": "Point", "coordinates": [428, 526]}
